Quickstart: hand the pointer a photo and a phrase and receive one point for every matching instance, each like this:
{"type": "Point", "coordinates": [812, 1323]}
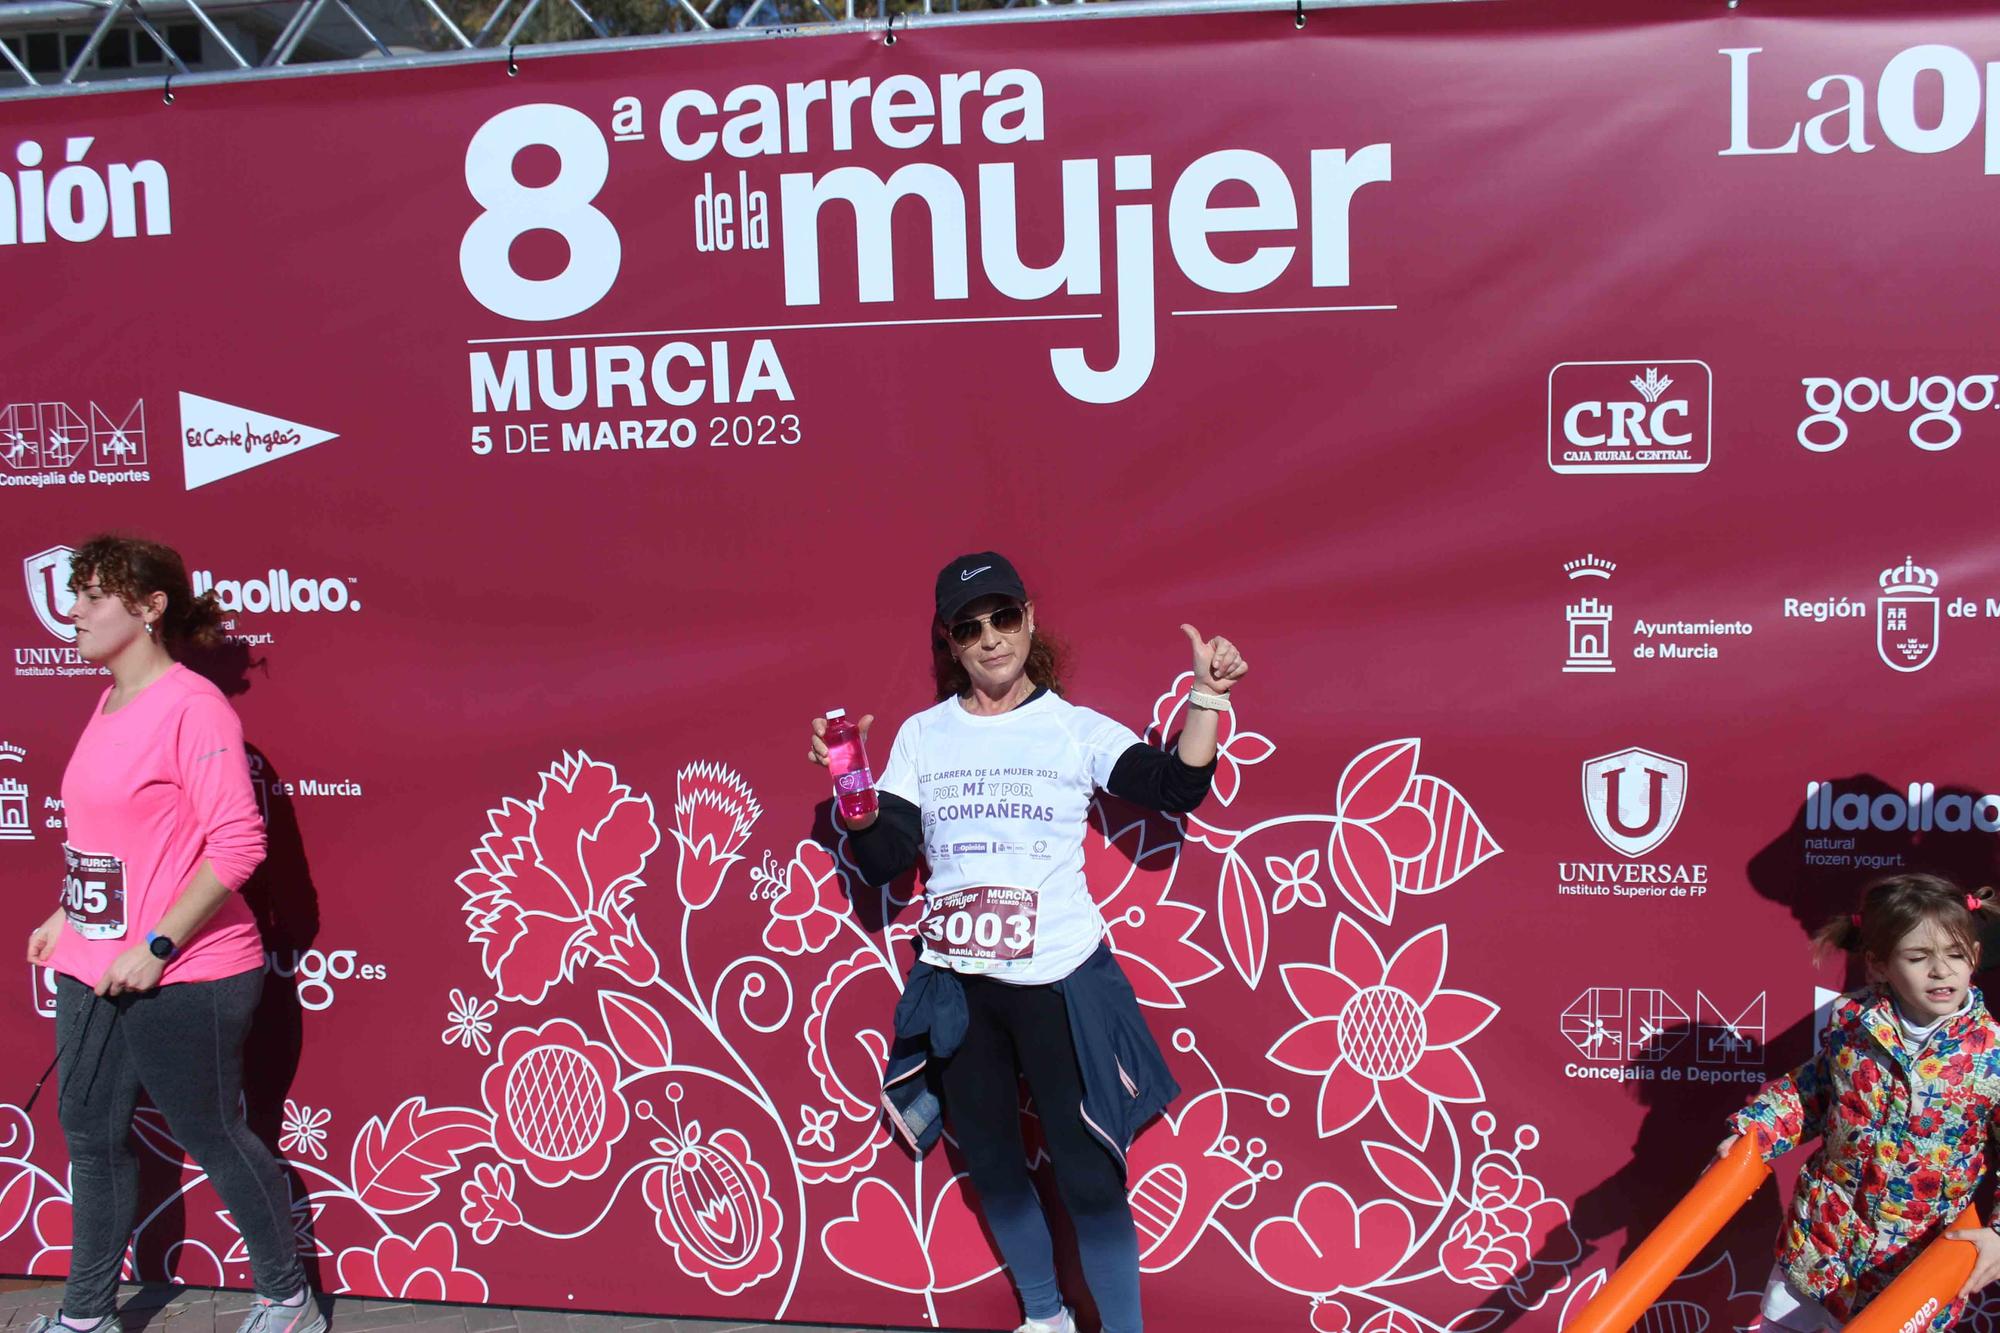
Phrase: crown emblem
{"type": "Point", "coordinates": [1908, 578]}
{"type": "Point", "coordinates": [1655, 384]}
{"type": "Point", "coordinates": [9, 750]}
{"type": "Point", "coordinates": [1588, 567]}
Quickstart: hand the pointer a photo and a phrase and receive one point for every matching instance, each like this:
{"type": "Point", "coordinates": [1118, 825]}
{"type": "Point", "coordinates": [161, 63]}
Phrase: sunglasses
{"type": "Point", "coordinates": [1006, 620]}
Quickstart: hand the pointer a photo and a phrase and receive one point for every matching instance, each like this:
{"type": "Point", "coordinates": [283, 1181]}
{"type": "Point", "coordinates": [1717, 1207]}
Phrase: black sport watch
{"type": "Point", "coordinates": [162, 948]}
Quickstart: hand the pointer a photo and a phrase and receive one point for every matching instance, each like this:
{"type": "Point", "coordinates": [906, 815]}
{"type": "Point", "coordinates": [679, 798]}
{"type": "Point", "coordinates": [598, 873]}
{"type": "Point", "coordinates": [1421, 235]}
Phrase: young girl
{"type": "Point", "coordinates": [1902, 1093]}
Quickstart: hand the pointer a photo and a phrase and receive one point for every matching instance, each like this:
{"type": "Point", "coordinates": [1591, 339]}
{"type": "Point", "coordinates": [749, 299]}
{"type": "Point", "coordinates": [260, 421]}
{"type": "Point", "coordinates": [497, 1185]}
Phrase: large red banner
{"type": "Point", "coordinates": [1582, 415]}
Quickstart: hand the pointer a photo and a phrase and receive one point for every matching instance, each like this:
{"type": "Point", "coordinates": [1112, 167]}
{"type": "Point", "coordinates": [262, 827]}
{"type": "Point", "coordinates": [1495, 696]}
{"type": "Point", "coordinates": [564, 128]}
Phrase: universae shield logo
{"type": "Point", "coordinates": [48, 590]}
{"type": "Point", "coordinates": [1907, 617]}
{"type": "Point", "coordinates": [1634, 798]}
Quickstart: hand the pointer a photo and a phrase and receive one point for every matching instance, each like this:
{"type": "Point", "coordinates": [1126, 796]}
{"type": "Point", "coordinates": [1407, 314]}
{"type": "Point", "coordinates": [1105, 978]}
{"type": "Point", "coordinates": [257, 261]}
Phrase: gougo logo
{"type": "Point", "coordinates": [316, 970]}
{"type": "Point", "coordinates": [1934, 429]}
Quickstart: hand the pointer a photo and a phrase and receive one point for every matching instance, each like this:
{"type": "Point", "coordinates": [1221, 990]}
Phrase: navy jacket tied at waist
{"type": "Point", "coordinates": [1125, 1078]}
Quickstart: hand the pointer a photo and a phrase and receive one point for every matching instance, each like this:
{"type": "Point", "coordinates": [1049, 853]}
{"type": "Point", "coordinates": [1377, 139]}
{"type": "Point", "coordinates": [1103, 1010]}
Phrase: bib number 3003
{"type": "Point", "coordinates": [989, 925]}
{"type": "Point", "coordinates": [93, 894]}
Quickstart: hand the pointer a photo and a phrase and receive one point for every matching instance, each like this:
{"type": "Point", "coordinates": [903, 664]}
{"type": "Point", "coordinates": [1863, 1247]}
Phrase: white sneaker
{"type": "Point", "coordinates": [1062, 1323]}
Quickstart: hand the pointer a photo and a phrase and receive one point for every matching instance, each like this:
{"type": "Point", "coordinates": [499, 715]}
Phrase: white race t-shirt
{"type": "Point", "coordinates": [1004, 800]}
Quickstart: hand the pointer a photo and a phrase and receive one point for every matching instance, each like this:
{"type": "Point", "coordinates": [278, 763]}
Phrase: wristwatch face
{"type": "Point", "coordinates": [162, 947]}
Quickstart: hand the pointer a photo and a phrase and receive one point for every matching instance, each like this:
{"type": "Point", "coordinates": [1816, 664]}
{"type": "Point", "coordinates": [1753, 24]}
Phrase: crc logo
{"type": "Point", "coordinates": [53, 437]}
{"type": "Point", "coordinates": [1634, 798]}
{"type": "Point", "coordinates": [1630, 416]}
{"type": "Point", "coordinates": [48, 590]}
{"type": "Point", "coordinates": [316, 972]}
{"type": "Point", "coordinates": [1934, 429]}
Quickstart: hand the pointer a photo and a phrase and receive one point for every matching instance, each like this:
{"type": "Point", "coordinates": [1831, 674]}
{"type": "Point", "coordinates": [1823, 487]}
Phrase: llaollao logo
{"type": "Point", "coordinates": [280, 591]}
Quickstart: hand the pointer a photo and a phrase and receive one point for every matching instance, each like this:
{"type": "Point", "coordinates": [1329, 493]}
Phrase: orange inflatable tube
{"type": "Point", "coordinates": [1723, 1189]}
{"type": "Point", "coordinates": [1930, 1283]}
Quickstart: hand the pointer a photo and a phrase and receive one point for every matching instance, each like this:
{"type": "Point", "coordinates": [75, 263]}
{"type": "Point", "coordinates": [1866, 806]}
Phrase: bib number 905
{"type": "Point", "coordinates": [93, 894]}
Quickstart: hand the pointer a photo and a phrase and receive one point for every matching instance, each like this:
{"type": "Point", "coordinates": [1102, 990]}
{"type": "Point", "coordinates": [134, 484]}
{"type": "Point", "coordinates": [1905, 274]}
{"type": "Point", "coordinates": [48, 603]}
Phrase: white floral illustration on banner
{"type": "Point", "coordinates": [687, 1055]}
{"type": "Point", "coordinates": [304, 1130]}
{"type": "Point", "coordinates": [471, 1022]}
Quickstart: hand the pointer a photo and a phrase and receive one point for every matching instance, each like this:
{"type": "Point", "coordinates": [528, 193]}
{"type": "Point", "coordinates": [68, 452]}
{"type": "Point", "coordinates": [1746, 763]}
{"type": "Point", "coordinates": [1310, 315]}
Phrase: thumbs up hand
{"type": "Point", "coordinates": [1217, 664]}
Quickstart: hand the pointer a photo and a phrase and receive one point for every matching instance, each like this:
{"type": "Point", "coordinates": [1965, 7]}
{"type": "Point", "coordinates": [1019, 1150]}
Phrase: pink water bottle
{"type": "Point", "coordinates": [853, 783]}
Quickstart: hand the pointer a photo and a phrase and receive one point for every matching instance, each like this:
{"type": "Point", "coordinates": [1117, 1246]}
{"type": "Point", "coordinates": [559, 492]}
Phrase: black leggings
{"type": "Point", "coordinates": [183, 1044]}
{"type": "Point", "coordinates": [1024, 1030]}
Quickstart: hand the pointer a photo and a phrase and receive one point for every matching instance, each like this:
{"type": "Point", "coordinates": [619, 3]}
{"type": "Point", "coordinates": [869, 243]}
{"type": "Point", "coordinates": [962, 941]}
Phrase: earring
{"type": "Point", "coordinates": [149, 629]}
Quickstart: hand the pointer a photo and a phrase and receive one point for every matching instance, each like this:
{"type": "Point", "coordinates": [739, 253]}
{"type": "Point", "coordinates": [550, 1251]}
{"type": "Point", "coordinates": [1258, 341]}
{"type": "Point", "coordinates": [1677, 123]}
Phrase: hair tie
{"type": "Point", "coordinates": [1972, 902]}
{"type": "Point", "coordinates": [1855, 917]}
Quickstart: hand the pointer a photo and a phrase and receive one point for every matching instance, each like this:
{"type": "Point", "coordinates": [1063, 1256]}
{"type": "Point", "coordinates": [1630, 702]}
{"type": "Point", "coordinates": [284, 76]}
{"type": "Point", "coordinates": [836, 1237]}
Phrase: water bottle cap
{"type": "Point", "coordinates": [833, 713]}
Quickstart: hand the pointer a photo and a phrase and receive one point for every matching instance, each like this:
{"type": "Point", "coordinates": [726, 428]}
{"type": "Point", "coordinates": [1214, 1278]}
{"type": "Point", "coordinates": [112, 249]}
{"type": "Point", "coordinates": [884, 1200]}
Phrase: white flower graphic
{"type": "Point", "coordinates": [470, 1022]}
{"type": "Point", "coordinates": [304, 1130]}
{"type": "Point", "coordinates": [816, 1128]}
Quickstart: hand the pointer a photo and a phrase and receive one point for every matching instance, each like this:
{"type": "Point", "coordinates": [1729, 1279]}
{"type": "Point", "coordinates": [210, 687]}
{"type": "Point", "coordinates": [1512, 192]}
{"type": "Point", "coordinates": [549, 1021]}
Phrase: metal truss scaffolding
{"type": "Point", "coordinates": [54, 47]}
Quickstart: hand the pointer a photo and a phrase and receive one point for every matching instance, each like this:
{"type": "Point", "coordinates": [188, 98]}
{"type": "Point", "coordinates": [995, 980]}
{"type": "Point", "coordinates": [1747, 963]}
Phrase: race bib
{"type": "Point", "coordinates": [93, 893]}
{"type": "Point", "coordinates": [980, 929]}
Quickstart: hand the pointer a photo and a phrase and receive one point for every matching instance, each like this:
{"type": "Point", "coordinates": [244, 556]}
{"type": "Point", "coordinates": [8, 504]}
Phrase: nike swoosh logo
{"type": "Point", "coordinates": [967, 576]}
{"type": "Point", "coordinates": [211, 754]}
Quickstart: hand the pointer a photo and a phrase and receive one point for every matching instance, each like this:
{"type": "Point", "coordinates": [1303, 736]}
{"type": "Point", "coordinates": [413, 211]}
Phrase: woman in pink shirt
{"type": "Point", "coordinates": [159, 966]}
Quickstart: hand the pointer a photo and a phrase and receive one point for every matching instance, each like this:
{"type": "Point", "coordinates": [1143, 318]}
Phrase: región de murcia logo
{"type": "Point", "coordinates": [1910, 612]}
{"type": "Point", "coordinates": [1906, 617]}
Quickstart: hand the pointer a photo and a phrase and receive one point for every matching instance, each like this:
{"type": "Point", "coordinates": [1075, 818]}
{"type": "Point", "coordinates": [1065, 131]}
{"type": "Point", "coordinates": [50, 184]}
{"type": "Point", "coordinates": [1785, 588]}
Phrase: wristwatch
{"type": "Point", "coordinates": [162, 948]}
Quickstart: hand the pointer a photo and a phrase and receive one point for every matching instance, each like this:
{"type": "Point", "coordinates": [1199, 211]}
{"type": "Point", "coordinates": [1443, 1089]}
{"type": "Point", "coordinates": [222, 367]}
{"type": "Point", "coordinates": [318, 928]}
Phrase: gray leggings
{"type": "Point", "coordinates": [183, 1044]}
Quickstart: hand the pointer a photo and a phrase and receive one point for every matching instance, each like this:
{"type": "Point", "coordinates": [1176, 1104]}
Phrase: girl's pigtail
{"type": "Point", "coordinates": [1842, 934]}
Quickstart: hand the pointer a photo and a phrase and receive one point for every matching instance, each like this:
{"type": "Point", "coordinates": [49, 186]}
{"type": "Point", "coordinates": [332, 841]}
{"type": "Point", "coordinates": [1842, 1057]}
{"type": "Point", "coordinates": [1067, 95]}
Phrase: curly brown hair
{"type": "Point", "coordinates": [133, 569]}
{"type": "Point", "coordinates": [1048, 662]}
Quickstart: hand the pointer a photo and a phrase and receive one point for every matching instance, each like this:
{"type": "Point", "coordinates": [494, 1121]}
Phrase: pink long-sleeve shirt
{"type": "Point", "coordinates": [151, 792]}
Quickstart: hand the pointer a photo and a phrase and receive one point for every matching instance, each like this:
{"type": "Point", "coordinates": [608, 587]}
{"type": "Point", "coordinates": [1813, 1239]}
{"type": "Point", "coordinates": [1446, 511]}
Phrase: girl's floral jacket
{"type": "Point", "coordinates": [1902, 1144]}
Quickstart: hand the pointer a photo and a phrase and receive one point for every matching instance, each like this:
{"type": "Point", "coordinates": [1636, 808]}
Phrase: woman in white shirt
{"type": "Point", "coordinates": [992, 787]}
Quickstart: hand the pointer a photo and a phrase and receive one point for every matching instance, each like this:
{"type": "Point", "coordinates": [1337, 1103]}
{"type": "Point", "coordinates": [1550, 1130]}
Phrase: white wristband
{"type": "Point", "coordinates": [1218, 703]}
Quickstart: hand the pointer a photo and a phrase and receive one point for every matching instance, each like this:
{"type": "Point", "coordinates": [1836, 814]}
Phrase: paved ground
{"type": "Point", "coordinates": [163, 1309]}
